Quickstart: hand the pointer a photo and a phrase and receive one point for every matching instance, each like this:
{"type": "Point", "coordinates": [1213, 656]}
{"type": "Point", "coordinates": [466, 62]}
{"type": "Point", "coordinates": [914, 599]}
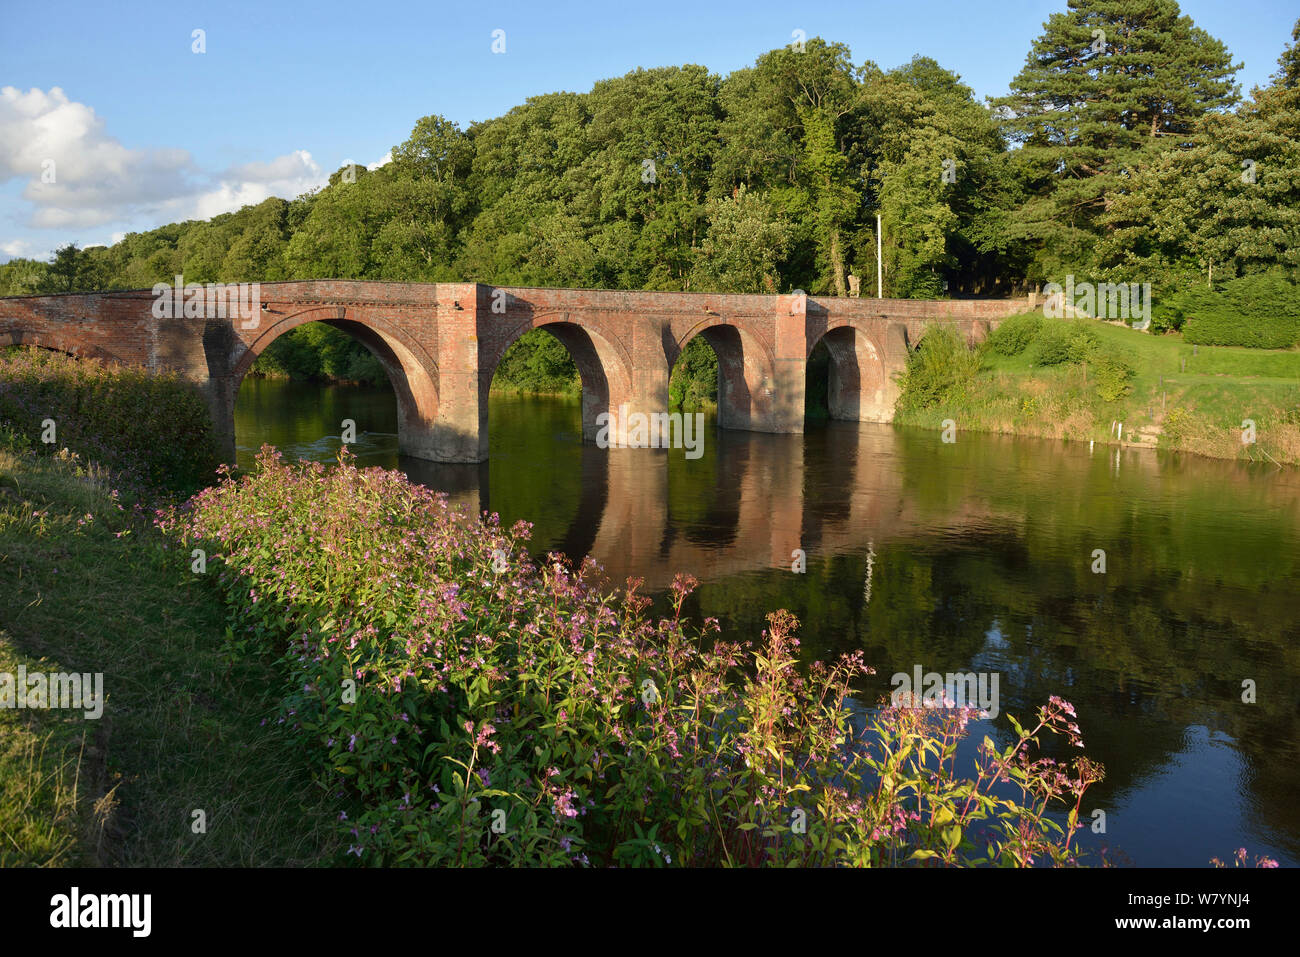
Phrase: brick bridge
{"type": "Point", "coordinates": [441, 344]}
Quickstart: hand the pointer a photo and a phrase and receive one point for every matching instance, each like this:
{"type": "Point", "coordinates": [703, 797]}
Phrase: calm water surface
{"type": "Point", "coordinates": [975, 556]}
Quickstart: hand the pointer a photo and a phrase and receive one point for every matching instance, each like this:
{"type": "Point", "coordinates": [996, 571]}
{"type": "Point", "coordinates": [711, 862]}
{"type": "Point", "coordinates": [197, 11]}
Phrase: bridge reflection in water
{"type": "Point", "coordinates": [752, 499]}
{"type": "Point", "coordinates": [747, 504]}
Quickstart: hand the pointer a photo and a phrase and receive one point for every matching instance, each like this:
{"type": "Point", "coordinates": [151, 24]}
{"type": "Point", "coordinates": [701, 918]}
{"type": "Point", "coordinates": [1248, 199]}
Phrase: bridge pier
{"type": "Point", "coordinates": [220, 394]}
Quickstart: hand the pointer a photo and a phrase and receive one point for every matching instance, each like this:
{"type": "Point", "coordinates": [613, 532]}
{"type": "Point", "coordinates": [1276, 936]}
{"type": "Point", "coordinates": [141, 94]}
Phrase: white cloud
{"type": "Point", "coordinates": [78, 176]}
{"type": "Point", "coordinates": [382, 161]}
{"type": "Point", "coordinates": [288, 176]}
{"type": "Point", "coordinates": [17, 249]}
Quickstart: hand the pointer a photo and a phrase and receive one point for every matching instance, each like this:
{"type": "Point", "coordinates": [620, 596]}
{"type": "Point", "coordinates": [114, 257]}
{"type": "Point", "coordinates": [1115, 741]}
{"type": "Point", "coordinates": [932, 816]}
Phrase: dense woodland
{"type": "Point", "coordinates": [1125, 151]}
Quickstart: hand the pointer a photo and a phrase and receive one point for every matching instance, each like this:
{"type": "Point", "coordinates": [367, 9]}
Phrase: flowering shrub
{"type": "Point", "coordinates": [473, 709]}
{"type": "Point", "coordinates": [151, 430]}
{"type": "Point", "coordinates": [1239, 860]}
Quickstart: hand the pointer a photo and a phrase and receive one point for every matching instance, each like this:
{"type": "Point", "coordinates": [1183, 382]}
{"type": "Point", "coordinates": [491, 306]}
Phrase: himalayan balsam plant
{"type": "Point", "coordinates": [468, 707]}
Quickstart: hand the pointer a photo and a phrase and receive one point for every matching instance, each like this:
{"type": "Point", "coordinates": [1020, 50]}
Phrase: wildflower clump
{"type": "Point", "coordinates": [470, 707]}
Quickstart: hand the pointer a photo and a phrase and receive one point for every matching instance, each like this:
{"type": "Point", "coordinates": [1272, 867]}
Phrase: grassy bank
{"type": "Point", "coordinates": [88, 586]}
{"type": "Point", "coordinates": [1167, 394]}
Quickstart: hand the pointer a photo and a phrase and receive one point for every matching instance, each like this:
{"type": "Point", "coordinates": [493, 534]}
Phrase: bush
{"type": "Point", "coordinates": [1059, 342]}
{"type": "Point", "coordinates": [153, 431]}
{"type": "Point", "coordinates": [1113, 375]}
{"type": "Point", "coordinates": [1053, 346]}
{"type": "Point", "coordinates": [1261, 312]}
{"type": "Point", "coordinates": [1084, 342]}
{"type": "Point", "coordinates": [938, 370]}
{"type": "Point", "coordinates": [1264, 295]}
{"type": "Point", "coordinates": [1015, 334]}
{"type": "Point", "coordinates": [1171, 311]}
{"type": "Point", "coordinates": [469, 708]}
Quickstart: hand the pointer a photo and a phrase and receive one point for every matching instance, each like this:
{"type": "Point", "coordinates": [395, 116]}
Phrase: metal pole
{"type": "Point", "coordinates": [880, 269]}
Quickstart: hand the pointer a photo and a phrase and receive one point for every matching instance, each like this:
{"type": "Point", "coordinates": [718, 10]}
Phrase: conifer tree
{"type": "Point", "coordinates": [1106, 87]}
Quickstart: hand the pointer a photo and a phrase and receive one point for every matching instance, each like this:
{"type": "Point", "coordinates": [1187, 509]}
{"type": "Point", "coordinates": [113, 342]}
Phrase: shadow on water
{"type": "Point", "coordinates": [975, 556]}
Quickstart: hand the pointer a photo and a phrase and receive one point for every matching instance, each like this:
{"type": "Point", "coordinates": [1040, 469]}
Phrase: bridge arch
{"type": "Point", "coordinates": [412, 374]}
{"type": "Point", "coordinates": [858, 389]}
{"type": "Point", "coordinates": [746, 372]}
{"type": "Point", "coordinates": [604, 365]}
{"type": "Point", "coordinates": [54, 343]}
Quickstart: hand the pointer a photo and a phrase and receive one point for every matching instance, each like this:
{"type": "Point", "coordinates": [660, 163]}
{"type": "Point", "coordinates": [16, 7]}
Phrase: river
{"type": "Point", "coordinates": [1182, 657]}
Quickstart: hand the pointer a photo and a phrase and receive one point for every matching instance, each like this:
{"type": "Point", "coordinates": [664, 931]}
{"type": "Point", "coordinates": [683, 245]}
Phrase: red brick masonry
{"type": "Point", "coordinates": [441, 344]}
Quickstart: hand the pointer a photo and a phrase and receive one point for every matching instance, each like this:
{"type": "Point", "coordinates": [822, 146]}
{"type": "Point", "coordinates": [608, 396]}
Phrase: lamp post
{"type": "Point", "coordinates": [880, 269]}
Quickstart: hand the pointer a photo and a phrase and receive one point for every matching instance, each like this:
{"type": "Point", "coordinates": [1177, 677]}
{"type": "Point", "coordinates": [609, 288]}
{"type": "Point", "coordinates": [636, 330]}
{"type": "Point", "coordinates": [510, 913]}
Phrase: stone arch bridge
{"type": "Point", "coordinates": [441, 344]}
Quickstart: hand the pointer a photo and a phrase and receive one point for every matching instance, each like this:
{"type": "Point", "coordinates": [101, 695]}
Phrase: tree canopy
{"type": "Point", "coordinates": [1124, 150]}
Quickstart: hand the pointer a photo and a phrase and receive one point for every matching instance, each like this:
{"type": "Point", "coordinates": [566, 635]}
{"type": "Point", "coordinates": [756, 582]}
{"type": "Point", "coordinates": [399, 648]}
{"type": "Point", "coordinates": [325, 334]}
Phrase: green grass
{"type": "Point", "coordinates": [1198, 397]}
{"type": "Point", "coordinates": [41, 813]}
{"type": "Point", "coordinates": [87, 589]}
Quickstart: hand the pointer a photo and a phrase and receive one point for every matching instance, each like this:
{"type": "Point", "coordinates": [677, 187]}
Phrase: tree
{"type": "Point", "coordinates": [71, 270]}
{"type": "Point", "coordinates": [932, 154]}
{"type": "Point", "coordinates": [22, 277]}
{"type": "Point", "coordinates": [744, 242]}
{"type": "Point", "coordinates": [437, 149]}
{"type": "Point", "coordinates": [257, 252]}
{"type": "Point", "coordinates": [1226, 205]}
{"type": "Point", "coordinates": [787, 127]}
{"type": "Point", "coordinates": [526, 167]}
{"type": "Point", "coordinates": [1106, 88]}
{"type": "Point", "coordinates": [334, 242]}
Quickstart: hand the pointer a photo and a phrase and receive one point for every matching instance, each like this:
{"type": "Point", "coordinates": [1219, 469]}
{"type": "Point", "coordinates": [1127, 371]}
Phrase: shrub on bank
{"type": "Point", "coordinates": [1113, 374]}
{"type": "Point", "coordinates": [1051, 347]}
{"type": "Point", "coordinates": [152, 430]}
{"type": "Point", "coordinates": [1261, 312]}
{"type": "Point", "coordinates": [469, 708]}
{"type": "Point", "coordinates": [938, 370]}
{"type": "Point", "coordinates": [1058, 342]}
{"type": "Point", "coordinates": [1014, 335]}
{"type": "Point", "coordinates": [943, 370]}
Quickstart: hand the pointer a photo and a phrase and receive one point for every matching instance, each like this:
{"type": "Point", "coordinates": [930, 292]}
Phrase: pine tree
{"type": "Point", "coordinates": [1108, 86]}
{"type": "Point", "coordinates": [1226, 205]}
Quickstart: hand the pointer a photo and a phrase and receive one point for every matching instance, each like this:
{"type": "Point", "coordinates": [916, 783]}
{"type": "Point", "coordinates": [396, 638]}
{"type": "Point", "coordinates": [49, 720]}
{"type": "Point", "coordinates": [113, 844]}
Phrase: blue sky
{"type": "Point", "coordinates": [145, 131]}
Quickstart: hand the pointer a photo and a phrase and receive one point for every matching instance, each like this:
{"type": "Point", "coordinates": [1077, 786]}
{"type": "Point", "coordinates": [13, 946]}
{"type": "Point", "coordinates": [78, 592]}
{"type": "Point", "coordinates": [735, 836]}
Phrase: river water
{"type": "Point", "coordinates": [983, 555]}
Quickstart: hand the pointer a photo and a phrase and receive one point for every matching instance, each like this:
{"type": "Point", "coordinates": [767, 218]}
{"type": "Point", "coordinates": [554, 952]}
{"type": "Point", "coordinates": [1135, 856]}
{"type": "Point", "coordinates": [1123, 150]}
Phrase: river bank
{"type": "Point", "coordinates": [916, 554]}
{"type": "Point", "coordinates": [179, 770]}
{"type": "Point", "coordinates": [173, 767]}
{"type": "Point", "coordinates": [1215, 401]}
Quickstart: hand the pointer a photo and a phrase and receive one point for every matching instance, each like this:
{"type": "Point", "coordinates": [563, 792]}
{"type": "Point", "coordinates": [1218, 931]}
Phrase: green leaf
{"type": "Point", "coordinates": [952, 836]}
